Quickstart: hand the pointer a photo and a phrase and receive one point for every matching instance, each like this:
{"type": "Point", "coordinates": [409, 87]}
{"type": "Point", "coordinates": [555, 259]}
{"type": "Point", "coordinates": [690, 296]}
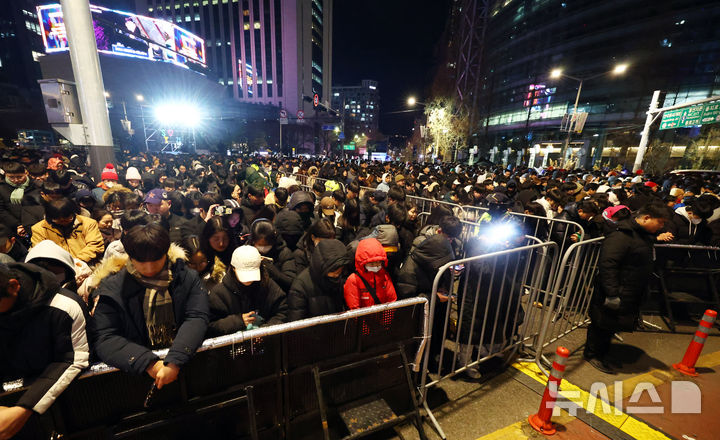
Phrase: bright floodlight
{"type": "Point", "coordinates": [556, 73]}
{"type": "Point", "coordinates": [140, 98]}
{"type": "Point", "coordinates": [412, 100]}
{"type": "Point", "coordinates": [620, 68]}
{"type": "Point", "coordinates": [178, 115]}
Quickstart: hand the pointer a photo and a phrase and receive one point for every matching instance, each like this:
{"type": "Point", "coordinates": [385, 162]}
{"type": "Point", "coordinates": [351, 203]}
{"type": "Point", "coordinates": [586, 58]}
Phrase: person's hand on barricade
{"type": "Point", "coordinates": [166, 375]}
{"type": "Point", "coordinates": [248, 318]}
{"type": "Point", "coordinates": [12, 419]}
{"type": "Point", "coordinates": [442, 295]}
{"type": "Point", "coordinates": [666, 236]}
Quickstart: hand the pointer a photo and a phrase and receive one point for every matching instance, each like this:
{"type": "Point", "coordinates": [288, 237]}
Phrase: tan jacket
{"type": "Point", "coordinates": [84, 243]}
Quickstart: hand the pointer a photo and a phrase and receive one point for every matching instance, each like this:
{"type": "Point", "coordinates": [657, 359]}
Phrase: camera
{"type": "Point", "coordinates": [222, 210]}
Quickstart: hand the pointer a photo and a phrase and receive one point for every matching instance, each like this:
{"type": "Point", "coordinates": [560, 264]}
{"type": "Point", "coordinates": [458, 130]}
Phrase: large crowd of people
{"type": "Point", "coordinates": [162, 252]}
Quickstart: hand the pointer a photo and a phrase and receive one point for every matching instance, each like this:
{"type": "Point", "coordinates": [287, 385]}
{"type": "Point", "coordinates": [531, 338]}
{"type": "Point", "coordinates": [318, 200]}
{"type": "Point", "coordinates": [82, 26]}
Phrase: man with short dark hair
{"type": "Point", "coordinates": [149, 300]}
{"type": "Point", "coordinates": [18, 194]}
{"type": "Point", "coordinates": [625, 266]}
{"type": "Point", "coordinates": [77, 234]}
{"type": "Point", "coordinates": [157, 202]}
{"type": "Point", "coordinates": [42, 337]}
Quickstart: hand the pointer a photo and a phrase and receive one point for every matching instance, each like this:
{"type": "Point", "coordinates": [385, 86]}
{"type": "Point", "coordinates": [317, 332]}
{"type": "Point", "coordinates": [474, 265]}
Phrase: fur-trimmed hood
{"type": "Point", "coordinates": [115, 264]}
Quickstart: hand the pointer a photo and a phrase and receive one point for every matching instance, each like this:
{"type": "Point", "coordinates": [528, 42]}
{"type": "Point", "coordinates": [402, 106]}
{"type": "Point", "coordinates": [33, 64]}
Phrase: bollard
{"type": "Point", "coordinates": [687, 365]}
{"type": "Point", "coordinates": [541, 421]}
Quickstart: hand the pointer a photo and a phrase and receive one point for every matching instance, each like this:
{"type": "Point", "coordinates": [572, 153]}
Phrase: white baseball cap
{"type": "Point", "coordinates": [246, 263]}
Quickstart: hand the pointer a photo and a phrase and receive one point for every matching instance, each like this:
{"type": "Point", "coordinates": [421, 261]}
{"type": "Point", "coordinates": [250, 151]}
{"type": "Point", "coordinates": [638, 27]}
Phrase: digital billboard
{"type": "Point", "coordinates": [126, 34]}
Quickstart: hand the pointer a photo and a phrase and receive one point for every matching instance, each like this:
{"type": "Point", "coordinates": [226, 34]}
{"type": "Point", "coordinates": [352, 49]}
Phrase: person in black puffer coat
{"type": "Point", "coordinates": [154, 273]}
{"type": "Point", "coordinates": [321, 229]}
{"type": "Point", "coordinates": [624, 266]}
{"type": "Point", "coordinates": [246, 297]}
{"type": "Point", "coordinates": [318, 290]}
{"type": "Point", "coordinates": [278, 259]}
{"type": "Point", "coordinates": [417, 274]}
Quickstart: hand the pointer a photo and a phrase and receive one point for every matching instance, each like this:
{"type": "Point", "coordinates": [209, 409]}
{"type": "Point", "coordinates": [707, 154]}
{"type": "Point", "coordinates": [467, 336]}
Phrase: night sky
{"type": "Point", "coordinates": [394, 42]}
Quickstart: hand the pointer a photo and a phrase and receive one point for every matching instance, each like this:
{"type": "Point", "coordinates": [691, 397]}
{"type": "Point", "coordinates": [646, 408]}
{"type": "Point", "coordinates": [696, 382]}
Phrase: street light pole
{"type": "Point", "coordinates": [557, 73]}
{"type": "Point", "coordinates": [569, 134]}
{"type": "Point", "coordinates": [89, 83]}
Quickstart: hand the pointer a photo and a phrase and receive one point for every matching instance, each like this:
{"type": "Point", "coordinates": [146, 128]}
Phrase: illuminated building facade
{"type": "Point", "coordinates": [359, 107]}
{"type": "Point", "coordinates": [20, 49]}
{"type": "Point", "coordinates": [669, 46]}
{"type": "Point", "coordinates": [267, 51]}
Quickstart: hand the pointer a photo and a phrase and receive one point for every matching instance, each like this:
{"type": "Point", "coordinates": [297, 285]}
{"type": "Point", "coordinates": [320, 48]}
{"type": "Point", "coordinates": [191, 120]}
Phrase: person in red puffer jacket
{"type": "Point", "coordinates": [371, 283]}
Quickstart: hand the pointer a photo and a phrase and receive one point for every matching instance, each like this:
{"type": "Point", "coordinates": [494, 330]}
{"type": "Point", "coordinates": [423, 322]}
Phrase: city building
{"type": "Point", "coordinates": [668, 46]}
{"type": "Point", "coordinates": [359, 108]}
{"type": "Point", "coordinates": [20, 49]}
{"type": "Point", "coordinates": [159, 93]}
{"type": "Point", "coordinates": [268, 51]}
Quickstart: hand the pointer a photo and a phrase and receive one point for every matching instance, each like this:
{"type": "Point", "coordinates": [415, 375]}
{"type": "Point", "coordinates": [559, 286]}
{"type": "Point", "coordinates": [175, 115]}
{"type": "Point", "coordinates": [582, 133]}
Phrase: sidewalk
{"type": "Point", "coordinates": [498, 408]}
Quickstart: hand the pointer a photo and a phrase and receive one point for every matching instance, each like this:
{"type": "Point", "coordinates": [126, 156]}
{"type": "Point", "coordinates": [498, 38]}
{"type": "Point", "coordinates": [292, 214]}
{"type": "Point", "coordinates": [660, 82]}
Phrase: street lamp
{"type": "Point", "coordinates": [556, 73]}
{"type": "Point", "coordinates": [140, 98]}
{"type": "Point", "coordinates": [411, 101]}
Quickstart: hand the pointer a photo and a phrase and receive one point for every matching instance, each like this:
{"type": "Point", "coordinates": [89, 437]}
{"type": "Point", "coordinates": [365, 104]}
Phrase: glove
{"type": "Point", "coordinates": [612, 302]}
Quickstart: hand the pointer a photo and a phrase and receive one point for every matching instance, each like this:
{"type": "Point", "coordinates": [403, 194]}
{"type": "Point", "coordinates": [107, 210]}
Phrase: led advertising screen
{"type": "Point", "coordinates": [126, 34]}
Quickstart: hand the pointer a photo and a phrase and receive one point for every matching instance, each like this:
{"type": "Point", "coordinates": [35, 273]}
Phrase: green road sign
{"type": "Point", "coordinates": [349, 147]}
{"type": "Point", "coordinates": [708, 113]}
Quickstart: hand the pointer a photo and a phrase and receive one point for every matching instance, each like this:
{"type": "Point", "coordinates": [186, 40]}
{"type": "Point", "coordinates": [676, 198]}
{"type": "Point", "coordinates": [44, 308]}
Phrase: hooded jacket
{"type": "Point", "coordinates": [16, 215]}
{"type": "Point", "coordinates": [417, 274]}
{"type": "Point", "coordinates": [313, 293]}
{"type": "Point", "coordinates": [43, 337]}
{"type": "Point", "coordinates": [356, 292]}
{"type": "Point", "coordinates": [231, 299]}
{"type": "Point", "coordinates": [121, 337]}
{"type": "Point", "coordinates": [624, 269]}
{"type": "Point", "coordinates": [84, 242]}
{"type": "Point", "coordinates": [282, 270]}
{"type": "Point", "coordinates": [685, 232]}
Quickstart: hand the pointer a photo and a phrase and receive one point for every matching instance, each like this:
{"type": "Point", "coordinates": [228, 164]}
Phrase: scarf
{"type": "Point", "coordinates": [157, 306]}
{"type": "Point", "coordinates": [17, 194]}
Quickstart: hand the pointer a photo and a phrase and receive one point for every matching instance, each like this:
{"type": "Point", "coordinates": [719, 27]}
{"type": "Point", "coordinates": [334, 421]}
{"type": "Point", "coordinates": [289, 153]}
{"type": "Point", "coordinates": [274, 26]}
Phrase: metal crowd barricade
{"type": "Point", "coordinates": [491, 299]}
{"type": "Point", "coordinates": [257, 383]}
{"type": "Point", "coordinates": [693, 262]}
{"type": "Point", "coordinates": [427, 205]}
{"type": "Point", "coordinates": [568, 307]}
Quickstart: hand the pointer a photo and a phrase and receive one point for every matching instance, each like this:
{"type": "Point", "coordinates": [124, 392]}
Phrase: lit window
{"type": "Point", "coordinates": [188, 18]}
{"type": "Point", "coordinates": [177, 6]}
{"type": "Point", "coordinates": [186, 5]}
{"type": "Point", "coordinates": [336, 94]}
{"type": "Point", "coordinates": [228, 43]}
{"type": "Point", "coordinates": [221, 81]}
{"type": "Point", "coordinates": [218, 43]}
{"type": "Point", "coordinates": [230, 82]}
{"type": "Point", "coordinates": [150, 9]}
{"type": "Point", "coordinates": [246, 26]}
{"type": "Point", "coordinates": [197, 17]}
{"type": "Point", "coordinates": [195, 4]}
{"type": "Point", "coordinates": [205, 2]}
{"type": "Point", "coordinates": [256, 25]}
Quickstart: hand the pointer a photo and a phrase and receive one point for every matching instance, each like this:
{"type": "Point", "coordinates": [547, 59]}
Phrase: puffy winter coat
{"type": "Point", "coordinates": [231, 299]}
{"type": "Point", "coordinates": [84, 242]}
{"type": "Point", "coordinates": [417, 274]}
{"type": "Point", "coordinates": [121, 337]}
{"type": "Point", "coordinates": [625, 266]}
{"type": "Point", "coordinates": [282, 270]}
{"type": "Point", "coordinates": [22, 213]}
{"type": "Point", "coordinates": [357, 294]}
{"type": "Point", "coordinates": [313, 293]}
{"type": "Point", "coordinates": [685, 232]}
{"type": "Point", "coordinates": [43, 337]}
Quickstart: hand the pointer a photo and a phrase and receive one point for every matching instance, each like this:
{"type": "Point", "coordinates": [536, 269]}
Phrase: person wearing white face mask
{"type": "Point", "coordinates": [689, 224]}
{"type": "Point", "coordinates": [371, 283]}
{"type": "Point", "coordinates": [278, 259]}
